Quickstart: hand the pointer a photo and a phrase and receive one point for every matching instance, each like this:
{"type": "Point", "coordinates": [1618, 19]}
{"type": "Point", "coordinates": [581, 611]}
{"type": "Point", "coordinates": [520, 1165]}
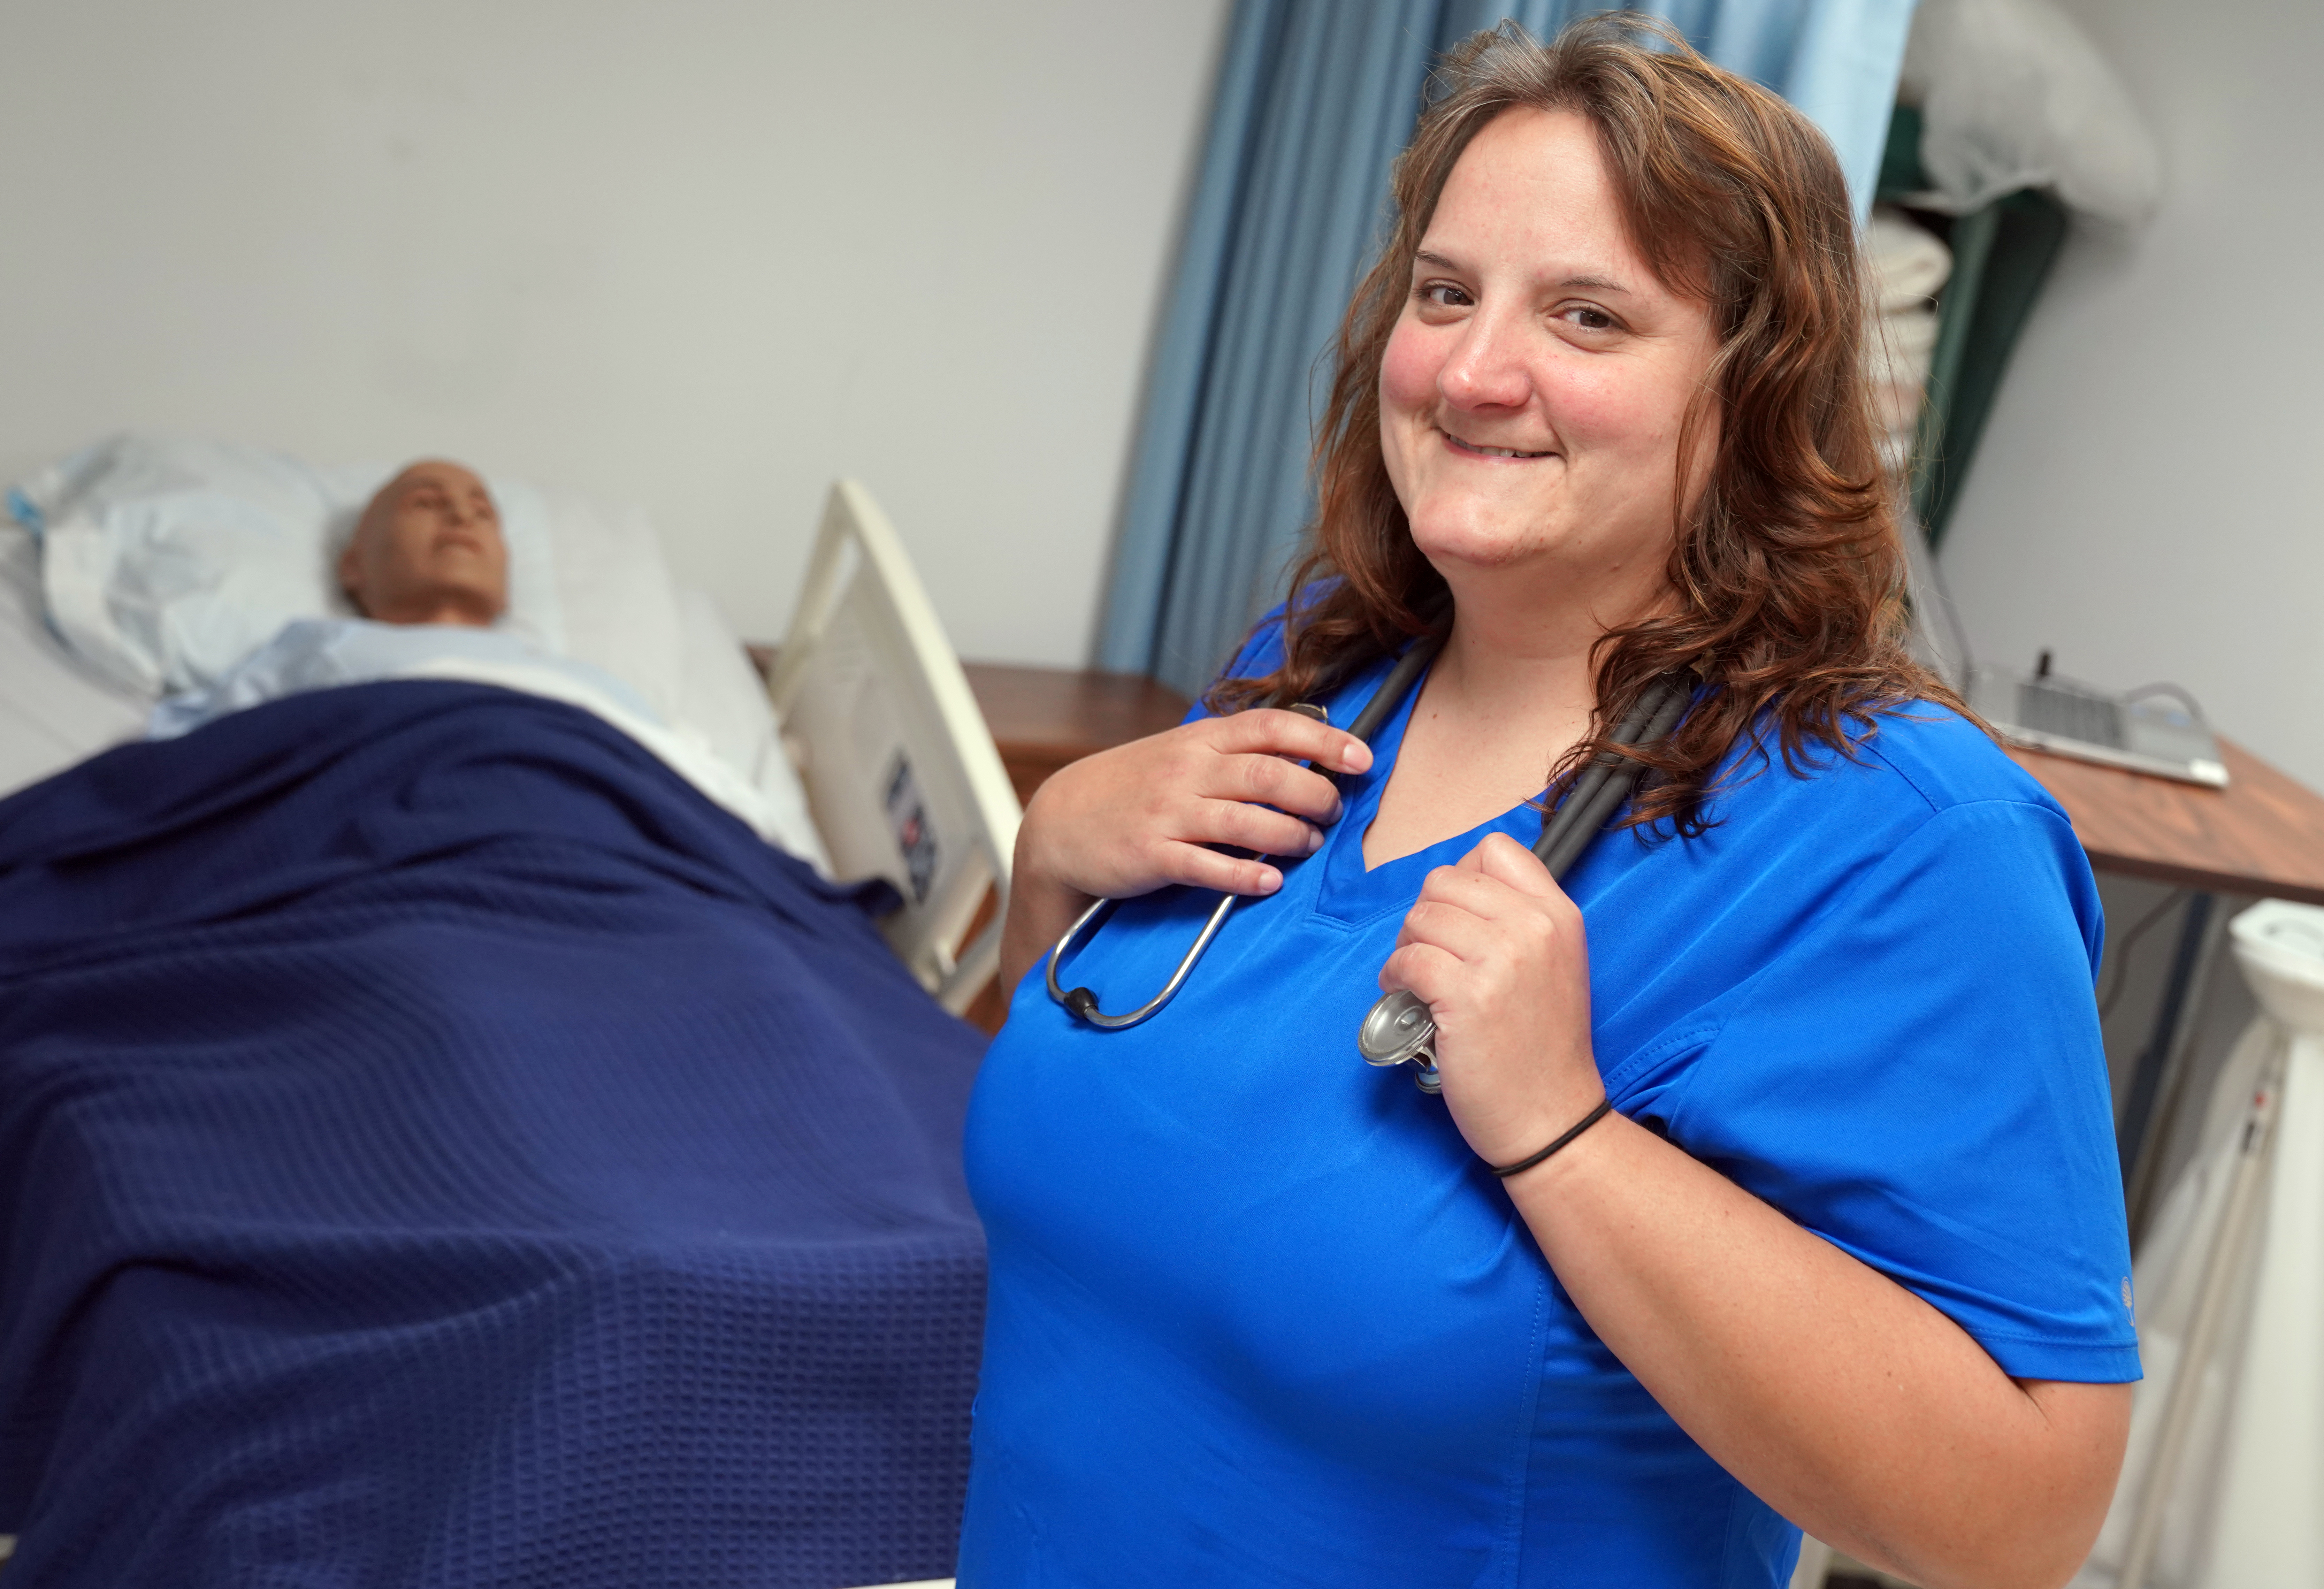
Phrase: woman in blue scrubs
{"type": "Point", "coordinates": [1847, 1253]}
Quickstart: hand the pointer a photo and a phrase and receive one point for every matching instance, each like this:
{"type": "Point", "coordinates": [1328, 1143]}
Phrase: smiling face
{"type": "Point", "coordinates": [428, 551]}
{"type": "Point", "coordinates": [1534, 388]}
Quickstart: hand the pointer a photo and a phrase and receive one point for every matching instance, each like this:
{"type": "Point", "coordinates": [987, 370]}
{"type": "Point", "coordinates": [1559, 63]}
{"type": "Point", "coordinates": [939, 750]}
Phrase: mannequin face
{"type": "Point", "coordinates": [428, 551]}
{"type": "Point", "coordinates": [1533, 391]}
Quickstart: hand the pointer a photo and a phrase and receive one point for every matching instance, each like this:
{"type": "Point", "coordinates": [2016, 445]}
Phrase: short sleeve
{"type": "Point", "coordinates": [1920, 1079]}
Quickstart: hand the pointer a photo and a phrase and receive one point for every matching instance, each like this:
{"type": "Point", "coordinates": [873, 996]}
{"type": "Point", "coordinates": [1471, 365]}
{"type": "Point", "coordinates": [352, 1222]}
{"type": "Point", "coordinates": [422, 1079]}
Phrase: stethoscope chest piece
{"type": "Point", "coordinates": [1399, 1029]}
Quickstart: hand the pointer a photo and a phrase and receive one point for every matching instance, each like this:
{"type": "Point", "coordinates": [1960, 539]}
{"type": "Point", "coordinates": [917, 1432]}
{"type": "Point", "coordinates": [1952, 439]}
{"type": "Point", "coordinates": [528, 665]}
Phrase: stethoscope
{"type": "Point", "coordinates": [1398, 1028]}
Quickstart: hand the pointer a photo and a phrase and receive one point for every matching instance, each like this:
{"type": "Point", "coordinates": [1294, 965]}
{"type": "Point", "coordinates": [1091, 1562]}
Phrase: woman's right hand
{"type": "Point", "coordinates": [1147, 814]}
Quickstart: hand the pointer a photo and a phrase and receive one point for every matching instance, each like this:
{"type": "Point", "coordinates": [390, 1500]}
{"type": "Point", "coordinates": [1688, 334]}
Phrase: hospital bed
{"type": "Point", "coordinates": [871, 712]}
{"type": "Point", "coordinates": [870, 708]}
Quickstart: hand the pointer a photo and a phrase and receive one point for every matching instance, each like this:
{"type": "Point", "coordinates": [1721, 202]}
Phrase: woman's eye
{"type": "Point", "coordinates": [1589, 317]}
{"type": "Point", "coordinates": [1443, 295]}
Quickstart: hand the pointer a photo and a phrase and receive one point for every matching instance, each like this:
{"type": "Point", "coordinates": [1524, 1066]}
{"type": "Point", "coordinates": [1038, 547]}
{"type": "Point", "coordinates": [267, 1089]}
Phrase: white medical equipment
{"type": "Point", "coordinates": [2225, 1461]}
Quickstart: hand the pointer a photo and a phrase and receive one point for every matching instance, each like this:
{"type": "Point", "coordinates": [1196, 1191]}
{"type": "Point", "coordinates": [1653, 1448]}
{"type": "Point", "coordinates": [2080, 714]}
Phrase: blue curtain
{"type": "Point", "coordinates": [1314, 100]}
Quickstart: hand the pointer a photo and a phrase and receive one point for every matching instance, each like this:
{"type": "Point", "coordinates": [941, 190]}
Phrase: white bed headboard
{"type": "Point", "coordinates": [901, 773]}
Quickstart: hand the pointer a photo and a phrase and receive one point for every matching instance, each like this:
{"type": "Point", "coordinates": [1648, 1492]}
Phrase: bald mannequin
{"type": "Point", "coordinates": [428, 549]}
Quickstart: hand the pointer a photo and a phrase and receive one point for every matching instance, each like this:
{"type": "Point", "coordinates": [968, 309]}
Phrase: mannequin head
{"type": "Point", "coordinates": [428, 549]}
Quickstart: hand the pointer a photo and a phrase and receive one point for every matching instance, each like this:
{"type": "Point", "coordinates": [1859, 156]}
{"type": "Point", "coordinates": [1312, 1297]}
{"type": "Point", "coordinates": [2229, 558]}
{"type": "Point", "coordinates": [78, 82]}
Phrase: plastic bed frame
{"type": "Point", "coordinates": [901, 775]}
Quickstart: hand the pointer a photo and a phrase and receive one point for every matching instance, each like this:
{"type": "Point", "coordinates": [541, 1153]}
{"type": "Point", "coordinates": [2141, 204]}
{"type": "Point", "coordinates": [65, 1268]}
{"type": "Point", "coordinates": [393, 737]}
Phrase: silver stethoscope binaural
{"type": "Point", "coordinates": [1399, 1029]}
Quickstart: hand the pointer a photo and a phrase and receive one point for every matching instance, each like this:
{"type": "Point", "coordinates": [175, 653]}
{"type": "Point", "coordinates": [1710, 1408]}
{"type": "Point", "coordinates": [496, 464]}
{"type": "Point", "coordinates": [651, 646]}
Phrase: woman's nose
{"type": "Point", "coordinates": [1486, 368]}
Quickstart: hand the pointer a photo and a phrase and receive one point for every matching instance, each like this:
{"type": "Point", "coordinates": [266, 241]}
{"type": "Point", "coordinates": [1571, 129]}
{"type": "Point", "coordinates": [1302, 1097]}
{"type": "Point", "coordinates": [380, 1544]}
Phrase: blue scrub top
{"type": "Point", "coordinates": [1258, 1317]}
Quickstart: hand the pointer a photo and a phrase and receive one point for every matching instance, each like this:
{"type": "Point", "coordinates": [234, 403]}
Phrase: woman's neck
{"type": "Point", "coordinates": [1511, 692]}
{"type": "Point", "coordinates": [1523, 651]}
{"type": "Point", "coordinates": [1512, 673]}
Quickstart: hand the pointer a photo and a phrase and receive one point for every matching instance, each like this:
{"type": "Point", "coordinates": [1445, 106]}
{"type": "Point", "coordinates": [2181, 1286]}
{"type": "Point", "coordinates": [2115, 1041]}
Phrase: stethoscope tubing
{"type": "Point", "coordinates": [1601, 787]}
{"type": "Point", "coordinates": [1399, 684]}
{"type": "Point", "coordinates": [1083, 1002]}
{"type": "Point", "coordinates": [1599, 790]}
{"type": "Point", "coordinates": [1400, 1029]}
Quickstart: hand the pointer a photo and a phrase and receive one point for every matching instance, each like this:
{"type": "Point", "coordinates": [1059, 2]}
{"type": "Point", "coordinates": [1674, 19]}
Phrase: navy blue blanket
{"type": "Point", "coordinates": [438, 1147]}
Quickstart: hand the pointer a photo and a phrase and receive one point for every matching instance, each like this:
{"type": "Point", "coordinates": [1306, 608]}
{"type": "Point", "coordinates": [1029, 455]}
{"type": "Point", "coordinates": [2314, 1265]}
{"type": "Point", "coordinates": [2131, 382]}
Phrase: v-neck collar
{"type": "Point", "coordinates": [1347, 893]}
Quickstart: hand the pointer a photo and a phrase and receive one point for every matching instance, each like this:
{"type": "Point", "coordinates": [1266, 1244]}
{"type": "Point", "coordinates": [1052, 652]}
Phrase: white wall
{"type": "Point", "coordinates": [2147, 499]}
{"type": "Point", "coordinates": [694, 254]}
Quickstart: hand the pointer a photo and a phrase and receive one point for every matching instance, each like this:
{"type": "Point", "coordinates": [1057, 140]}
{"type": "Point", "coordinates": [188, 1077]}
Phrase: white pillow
{"type": "Point", "coordinates": [615, 602]}
{"type": "Point", "coordinates": [52, 713]}
{"type": "Point", "coordinates": [164, 562]}
{"type": "Point", "coordinates": [725, 697]}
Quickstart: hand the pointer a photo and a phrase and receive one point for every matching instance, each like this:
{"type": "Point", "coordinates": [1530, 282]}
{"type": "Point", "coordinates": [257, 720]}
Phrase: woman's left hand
{"type": "Point", "coordinates": [1497, 950]}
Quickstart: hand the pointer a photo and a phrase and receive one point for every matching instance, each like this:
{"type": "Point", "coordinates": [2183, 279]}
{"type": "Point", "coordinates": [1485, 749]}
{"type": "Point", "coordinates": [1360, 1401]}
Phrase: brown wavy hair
{"type": "Point", "coordinates": [1787, 572]}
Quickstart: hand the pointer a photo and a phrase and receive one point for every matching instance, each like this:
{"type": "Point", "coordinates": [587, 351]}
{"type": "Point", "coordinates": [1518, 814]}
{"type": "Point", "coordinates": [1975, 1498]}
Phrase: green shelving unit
{"type": "Point", "coordinates": [2002, 255]}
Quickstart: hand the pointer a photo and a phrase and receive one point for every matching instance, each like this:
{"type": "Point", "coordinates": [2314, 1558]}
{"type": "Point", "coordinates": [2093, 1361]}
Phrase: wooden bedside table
{"type": "Point", "coordinates": [1044, 717]}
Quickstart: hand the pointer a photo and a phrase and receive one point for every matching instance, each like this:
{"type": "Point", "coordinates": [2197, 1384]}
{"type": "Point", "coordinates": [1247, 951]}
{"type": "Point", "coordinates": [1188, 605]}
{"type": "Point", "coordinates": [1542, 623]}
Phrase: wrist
{"type": "Point", "coordinates": [1530, 1112]}
{"type": "Point", "coordinates": [1556, 1144]}
{"type": "Point", "coordinates": [1565, 1176]}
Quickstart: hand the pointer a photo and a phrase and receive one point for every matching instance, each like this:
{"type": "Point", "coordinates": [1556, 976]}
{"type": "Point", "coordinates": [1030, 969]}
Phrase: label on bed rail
{"type": "Point", "coordinates": [907, 816]}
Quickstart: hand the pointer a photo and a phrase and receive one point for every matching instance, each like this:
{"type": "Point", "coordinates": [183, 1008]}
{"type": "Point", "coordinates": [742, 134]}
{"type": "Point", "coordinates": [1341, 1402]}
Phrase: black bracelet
{"type": "Point", "coordinates": [1605, 1105]}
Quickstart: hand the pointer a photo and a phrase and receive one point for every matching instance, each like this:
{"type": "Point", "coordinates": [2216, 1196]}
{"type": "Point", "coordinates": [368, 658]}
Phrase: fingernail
{"type": "Point", "coordinates": [1356, 758]}
{"type": "Point", "coordinates": [1315, 840]}
{"type": "Point", "coordinates": [1269, 882]}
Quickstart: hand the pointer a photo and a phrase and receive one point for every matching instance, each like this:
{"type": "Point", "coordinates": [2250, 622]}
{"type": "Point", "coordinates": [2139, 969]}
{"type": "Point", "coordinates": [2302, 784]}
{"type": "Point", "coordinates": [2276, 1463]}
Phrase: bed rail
{"type": "Point", "coordinates": [901, 775]}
